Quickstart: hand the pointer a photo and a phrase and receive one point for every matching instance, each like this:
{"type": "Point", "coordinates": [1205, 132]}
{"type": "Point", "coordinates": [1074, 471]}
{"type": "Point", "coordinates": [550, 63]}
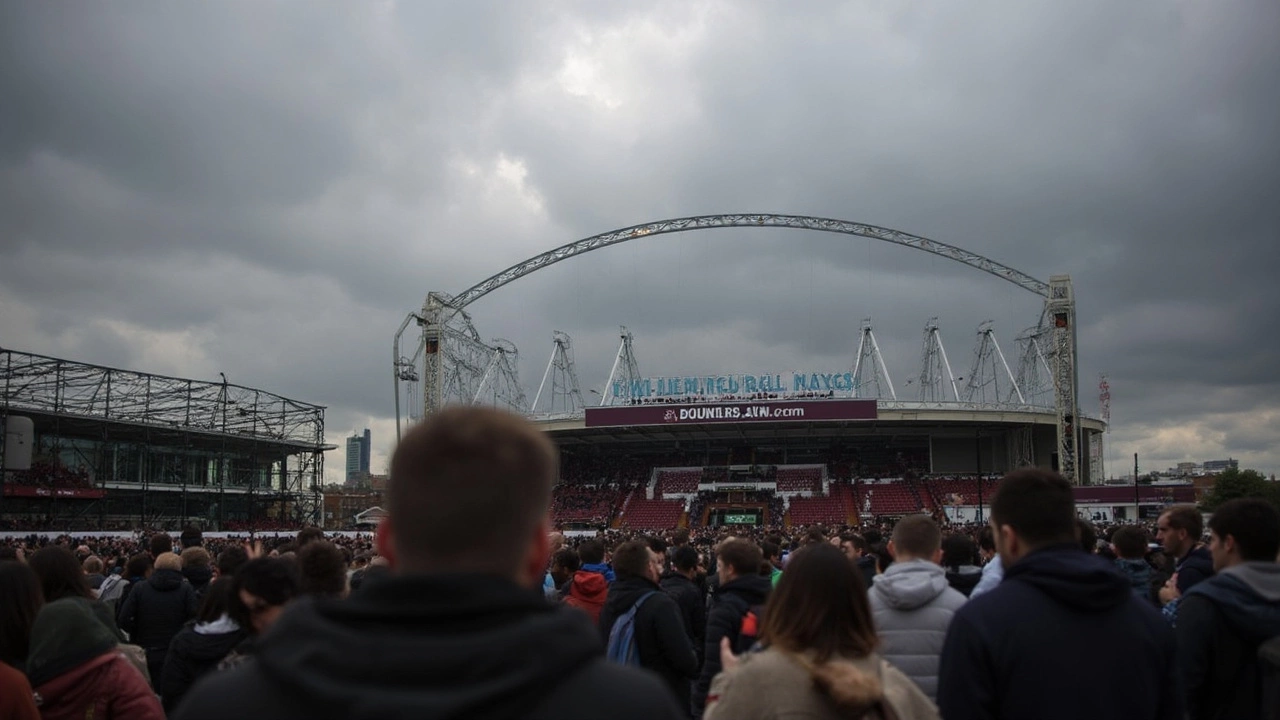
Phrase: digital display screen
{"type": "Point", "coordinates": [740, 518]}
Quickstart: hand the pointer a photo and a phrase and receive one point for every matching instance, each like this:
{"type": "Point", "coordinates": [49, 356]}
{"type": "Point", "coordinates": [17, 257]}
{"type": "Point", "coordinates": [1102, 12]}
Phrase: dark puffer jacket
{"type": "Point", "coordinates": [730, 604]}
{"type": "Point", "coordinates": [154, 613]}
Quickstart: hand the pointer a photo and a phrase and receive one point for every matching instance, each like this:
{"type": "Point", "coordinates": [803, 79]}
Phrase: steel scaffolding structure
{"type": "Point", "coordinates": [157, 437]}
{"type": "Point", "coordinates": [448, 339]}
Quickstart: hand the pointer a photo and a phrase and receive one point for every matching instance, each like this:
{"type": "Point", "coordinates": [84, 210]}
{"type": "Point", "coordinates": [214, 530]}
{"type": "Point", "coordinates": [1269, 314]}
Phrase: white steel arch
{"type": "Point", "coordinates": [443, 315]}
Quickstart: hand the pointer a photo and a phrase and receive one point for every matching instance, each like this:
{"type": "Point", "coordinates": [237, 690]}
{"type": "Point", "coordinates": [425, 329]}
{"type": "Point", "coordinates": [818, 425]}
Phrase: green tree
{"type": "Point", "coordinates": [1233, 483]}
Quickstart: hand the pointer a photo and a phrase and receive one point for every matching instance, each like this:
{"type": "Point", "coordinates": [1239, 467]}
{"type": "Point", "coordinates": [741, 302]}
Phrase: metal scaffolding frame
{"type": "Point", "coordinates": [187, 439]}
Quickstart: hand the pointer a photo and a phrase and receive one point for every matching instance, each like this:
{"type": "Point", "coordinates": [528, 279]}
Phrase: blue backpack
{"type": "Point", "coordinates": [622, 636]}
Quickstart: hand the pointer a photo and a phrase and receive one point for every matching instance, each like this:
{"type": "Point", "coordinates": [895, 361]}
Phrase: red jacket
{"type": "Point", "coordinates": [106, 687]}
{"type": "Point", "coordinates": [16, 702]}
{"type": "Point", "coordinates": [588, 591]}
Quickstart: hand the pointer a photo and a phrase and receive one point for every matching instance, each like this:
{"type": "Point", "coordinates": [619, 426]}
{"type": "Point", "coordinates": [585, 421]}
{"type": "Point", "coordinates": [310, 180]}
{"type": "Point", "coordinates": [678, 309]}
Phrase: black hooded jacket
{"type": "Point", "coordinates": [157, 609]}
{"type": "Point", "coordinates": [1063, 636]}
{"type": "Point", "coordinates": [430, 647]}
{"type": "Point", "coordinates": [661, 640]}
{"type": "Point", "coordinates": [191, 656]}
{"type": "Point", "coordinates": [693, 611]}
{"type": "Point", "coordinates": [730, 604]}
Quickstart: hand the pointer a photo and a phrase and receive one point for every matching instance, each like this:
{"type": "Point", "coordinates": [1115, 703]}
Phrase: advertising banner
{"type": "Point", "coordinates": [732, 412]}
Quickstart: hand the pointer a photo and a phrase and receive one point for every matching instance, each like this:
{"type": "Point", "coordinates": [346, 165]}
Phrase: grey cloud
{"type": "Point", "coordinates": [284, 182]}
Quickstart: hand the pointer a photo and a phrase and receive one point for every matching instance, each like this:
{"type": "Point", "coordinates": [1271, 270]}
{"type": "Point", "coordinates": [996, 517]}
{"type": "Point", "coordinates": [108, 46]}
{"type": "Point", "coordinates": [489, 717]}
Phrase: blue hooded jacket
{"type": "Point", "coordinates": [1139, 574]}
{"type": "Point", "coordinates": [1061, 637]}
{"type": "Point", "coordinates": [603, 569]}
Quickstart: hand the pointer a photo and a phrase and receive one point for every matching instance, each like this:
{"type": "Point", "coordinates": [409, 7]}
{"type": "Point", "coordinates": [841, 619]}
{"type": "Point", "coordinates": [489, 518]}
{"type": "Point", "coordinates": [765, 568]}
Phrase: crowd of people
{"type": "Point", "coordinates": [1036, 614]}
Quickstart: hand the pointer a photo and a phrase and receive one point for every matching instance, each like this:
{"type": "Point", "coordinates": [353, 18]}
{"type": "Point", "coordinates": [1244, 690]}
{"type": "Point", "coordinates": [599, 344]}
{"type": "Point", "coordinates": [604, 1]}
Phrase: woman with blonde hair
{"type": "Point", "coordinates": [819, 658]}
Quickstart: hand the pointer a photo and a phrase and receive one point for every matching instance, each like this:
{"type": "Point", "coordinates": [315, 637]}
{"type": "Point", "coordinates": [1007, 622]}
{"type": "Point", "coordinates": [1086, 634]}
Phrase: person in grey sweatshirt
{"type": "Point", "coordinates": [912, 603]}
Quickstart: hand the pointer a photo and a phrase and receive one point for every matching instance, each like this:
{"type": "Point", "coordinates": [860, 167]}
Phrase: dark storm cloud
{"type": "Point", "coordinates": [266, 189]}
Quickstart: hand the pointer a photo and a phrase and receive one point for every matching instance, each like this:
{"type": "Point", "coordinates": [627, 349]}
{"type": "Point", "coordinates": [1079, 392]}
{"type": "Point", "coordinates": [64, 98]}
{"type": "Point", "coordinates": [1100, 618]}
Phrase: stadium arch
{"type": "Point", "coordinates": [457, 363]}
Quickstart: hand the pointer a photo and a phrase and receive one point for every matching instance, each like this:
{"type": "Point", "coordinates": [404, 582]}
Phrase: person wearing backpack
{"type": "Point", "coordinates": [736, 609]}
{"type": "Point", "coordinates": [641, 624]}
{"type": "Point", "coordinates": [1224, 621]}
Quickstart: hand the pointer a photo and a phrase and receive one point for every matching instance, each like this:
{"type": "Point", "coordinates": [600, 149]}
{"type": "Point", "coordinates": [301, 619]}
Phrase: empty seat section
{"type": "Point", "coordinates": [679, 481]}
{"type": "Point", "coordinates": [823, 509]}
{"type": "Point", "coordinates": [799, 479]}
{"type": "Point", "coordinates": [644, 514]}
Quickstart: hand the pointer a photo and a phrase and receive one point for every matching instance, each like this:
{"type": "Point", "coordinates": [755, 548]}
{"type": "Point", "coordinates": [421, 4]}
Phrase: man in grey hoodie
{"type": "Point", "coordinates": [1223, 620]}
{"type": "Point", "coordinates": [912, 602]}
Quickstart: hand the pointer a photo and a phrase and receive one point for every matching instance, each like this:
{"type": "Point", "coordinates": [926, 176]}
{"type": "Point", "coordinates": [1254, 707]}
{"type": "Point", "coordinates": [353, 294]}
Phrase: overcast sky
{"type": "Point", "coordinates": [265, 189]}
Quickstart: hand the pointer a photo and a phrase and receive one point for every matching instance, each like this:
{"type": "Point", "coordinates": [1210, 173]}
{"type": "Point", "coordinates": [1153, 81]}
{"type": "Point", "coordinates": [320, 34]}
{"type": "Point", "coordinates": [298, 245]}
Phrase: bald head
{"type": "Point", "coordinates": [469, 491]}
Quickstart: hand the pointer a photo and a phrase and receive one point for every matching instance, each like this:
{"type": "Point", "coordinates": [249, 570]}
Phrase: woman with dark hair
{"type": "Point", "coordinates": [61, 577]}
{"type": "Point", "coordinates": [198, 647]}
{"type": "Point", "coordinates": [258, 595]}
{"type": "Point", "coordinates": [20, 600]}
{"type": "Point", "coordinates": [819, 659]}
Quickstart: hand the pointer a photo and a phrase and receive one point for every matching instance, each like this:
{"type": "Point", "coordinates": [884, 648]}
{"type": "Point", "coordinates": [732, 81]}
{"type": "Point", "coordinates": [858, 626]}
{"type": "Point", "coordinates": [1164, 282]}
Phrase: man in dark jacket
{"type": "Point", "coordinates": [660, 639]}
{"type": "Point", "coordinates": [156, 610]}
{"type": "Point", "coordinates": [458, 626]}
{"type": "Point", "coordinates": [741, 588]}
{"type": "Point", "coordinates": [1223, 620]}
{"type": "Point", "coordinates": [1179, 530]}
{"type": "Point", "coordinates": [679, 584]}
{"type": "Point", "coordinates": [1063, 636]}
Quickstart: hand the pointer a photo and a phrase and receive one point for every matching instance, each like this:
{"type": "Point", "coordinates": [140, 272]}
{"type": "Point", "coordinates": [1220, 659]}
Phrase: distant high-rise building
{"type": "Point", "coordinates": [358, 456]}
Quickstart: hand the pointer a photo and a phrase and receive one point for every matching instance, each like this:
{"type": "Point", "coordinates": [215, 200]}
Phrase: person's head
{"type": "Point", "coordinates": [260, 592]}
{"type": "Point", "coordinates": [820, 605]}
{"type": "Point", "coordinates": [160, 543]}
{"type": "Point", "coordinates": [563, 565]}
{"type": "Point", "coordinates": [680, 537]}
{"type": "Point", "coordinates": [168, 561]}
{"type": "Point", "coordinates": [231, 560]}
{"type": "Point", "coordinates": [737, 558]}
{"type": "Point", "coordinates": [958, 550]}
{"type": "Point", "coordinates": [191, 537]}
{"type": "Point", "coordinates": [591, 552]}
{"type": "Point", "coordinates": [322, 569]}
{"type": "Point", "coordinates": [60, 574]}
{"type": "Point", "coordinates": [194, 557]}
{"type": "Point", "coordinates": [217, 600]}
{"type": "Point", "coordinates": [986, 543]}
{"type": "Point", "coordinates": [852, 545]}
{"type": "Point", "coordinates": [1179, 529]}
{"type": "Point", "coordinates": [1129, 542]}
{"type": "Point", "coordinates": [20, 601]}
{"type": "Point", "coordinates": [308, 535]}
{"type": "Point", "coordinates": [461, 464]}
{"type": "Point", "coordinates": [555, 541]}
{"type": "Point", "coordinates": [685, 560]}
{"type": "Point", "coordinates": [92, 565]}
{"type": "Point", "coordinates": [635, 559]}
{"type": "Point", "coordinates": [139, 566]}
{"type": "Point", "coordinates": [1032, 509]}
{"type": "Point", "coordinates": [1244, 530]}
{"type": "Point", "coordinates": [772, 553]}
{"type": "Point", "coordinates": [916, 537]}
{"type": "Point", "coordinates": [1087, 535]}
